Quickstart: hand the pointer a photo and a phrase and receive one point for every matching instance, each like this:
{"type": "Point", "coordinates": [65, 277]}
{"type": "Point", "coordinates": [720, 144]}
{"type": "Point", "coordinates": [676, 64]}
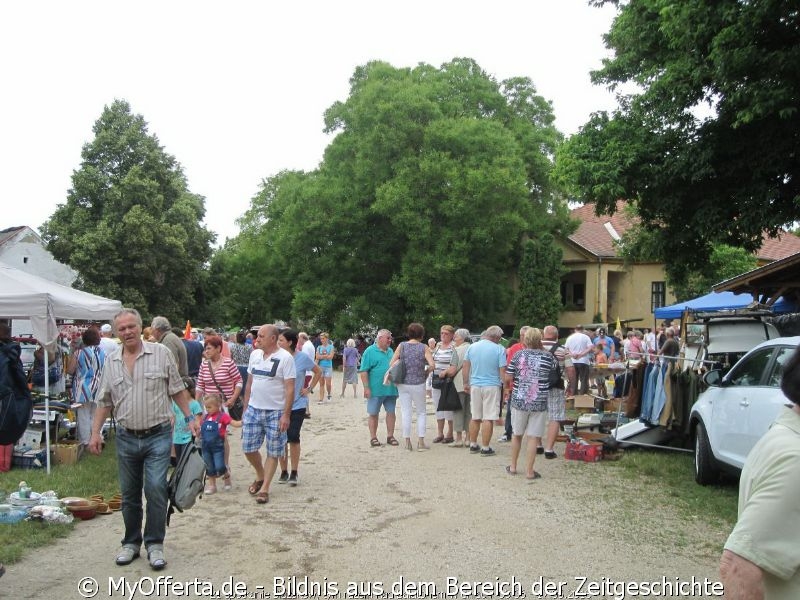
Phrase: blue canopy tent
{"type": "Point", "coordinates": [719, 301]}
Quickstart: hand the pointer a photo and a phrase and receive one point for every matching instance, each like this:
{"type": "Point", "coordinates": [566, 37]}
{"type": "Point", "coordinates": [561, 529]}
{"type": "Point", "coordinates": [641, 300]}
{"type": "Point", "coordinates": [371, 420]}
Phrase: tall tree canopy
{"type": "Point", "coordinates": [419, 206]}
{"type": "Point", "coordinates": [130, 227]}
{"type": "Point", "coordinates": [706, 147]}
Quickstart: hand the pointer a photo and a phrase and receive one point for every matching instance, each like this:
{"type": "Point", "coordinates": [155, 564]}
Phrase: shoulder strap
{"type": "Point", "coordinates": [216, 383]}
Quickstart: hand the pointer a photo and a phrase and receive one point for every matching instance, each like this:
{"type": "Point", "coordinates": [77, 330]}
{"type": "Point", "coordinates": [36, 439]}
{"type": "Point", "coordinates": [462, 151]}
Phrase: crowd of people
{"type": "Point", "coordinates": [165, 390]}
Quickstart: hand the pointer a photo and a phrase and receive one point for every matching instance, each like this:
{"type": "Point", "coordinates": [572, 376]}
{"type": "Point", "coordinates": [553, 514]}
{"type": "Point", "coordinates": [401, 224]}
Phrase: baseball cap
{"type": "Point", "coordinates": [106, 328]}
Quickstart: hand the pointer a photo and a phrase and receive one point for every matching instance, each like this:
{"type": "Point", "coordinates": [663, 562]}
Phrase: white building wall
{"type": "Point", "coordinates": [26, 253]}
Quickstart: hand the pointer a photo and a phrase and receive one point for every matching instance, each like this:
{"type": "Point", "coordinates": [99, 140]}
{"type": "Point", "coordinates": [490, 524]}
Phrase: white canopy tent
{"type": "Point", "coordinates": [26, 296]}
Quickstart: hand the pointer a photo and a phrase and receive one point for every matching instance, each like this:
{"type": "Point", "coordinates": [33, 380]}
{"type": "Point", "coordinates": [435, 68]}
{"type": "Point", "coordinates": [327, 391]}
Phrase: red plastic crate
{"type": "Point", "coordinates": [587, 452]}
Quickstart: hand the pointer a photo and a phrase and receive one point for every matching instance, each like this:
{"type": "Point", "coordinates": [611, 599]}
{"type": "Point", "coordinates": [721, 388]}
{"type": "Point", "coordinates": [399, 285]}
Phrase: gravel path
{"type": "Point", "coordinates": [387, 516]}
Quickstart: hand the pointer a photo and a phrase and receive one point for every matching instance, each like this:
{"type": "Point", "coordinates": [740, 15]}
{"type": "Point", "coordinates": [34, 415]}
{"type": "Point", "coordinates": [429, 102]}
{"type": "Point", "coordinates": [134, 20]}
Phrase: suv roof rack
{"type": "Point", "coordinates": [734, 312]}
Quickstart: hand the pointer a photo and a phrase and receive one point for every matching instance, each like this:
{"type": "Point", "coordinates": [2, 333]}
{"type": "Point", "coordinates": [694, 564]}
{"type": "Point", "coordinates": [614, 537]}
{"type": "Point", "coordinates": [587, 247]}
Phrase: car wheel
{"type": "Point", "coordinates": [705, 471]}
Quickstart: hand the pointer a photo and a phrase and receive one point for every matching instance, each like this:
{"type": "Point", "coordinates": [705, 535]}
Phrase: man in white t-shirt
{"type": "Point", "coordinates": [268, 399]}
{"type": "Point", "coordinates": [307, 346]}
{"type": "Point", "coordinates": [580, 348]}
{"type": "Point", "coordinates": [107, 341]}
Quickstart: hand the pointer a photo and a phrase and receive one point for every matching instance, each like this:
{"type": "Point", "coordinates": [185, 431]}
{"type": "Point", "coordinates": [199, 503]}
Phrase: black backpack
{"type": "Point", "coordinates": [16, 404]}
{"type": "Point", "coordinates": [556, 378]}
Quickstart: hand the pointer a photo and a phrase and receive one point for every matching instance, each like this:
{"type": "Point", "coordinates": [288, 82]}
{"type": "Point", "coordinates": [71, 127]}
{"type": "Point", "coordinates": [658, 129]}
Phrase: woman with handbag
{"type": "Point", "coordinates": [442, 355]}
{"type": "Point", "coordinates": [219, 375]}
{"type": "Point", "coordinates": [417, 362]}
{"type": "Point", "coordinates": [461, 418]}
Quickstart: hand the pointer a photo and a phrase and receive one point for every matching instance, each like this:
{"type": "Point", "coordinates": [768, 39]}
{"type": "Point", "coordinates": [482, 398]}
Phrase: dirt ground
{"type": "Point", "coordinates": [380, 522]}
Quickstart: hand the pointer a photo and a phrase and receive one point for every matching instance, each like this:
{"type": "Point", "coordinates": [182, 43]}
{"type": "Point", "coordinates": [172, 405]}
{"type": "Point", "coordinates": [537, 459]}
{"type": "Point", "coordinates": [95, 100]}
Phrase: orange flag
{"type": "Point", "coordinates": [187, 333]}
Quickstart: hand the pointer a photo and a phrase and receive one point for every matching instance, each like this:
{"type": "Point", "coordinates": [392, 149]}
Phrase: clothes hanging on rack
{"type": "Point", "coordinates": [659, 395]}
{"type": "Point", "coordinates": [685, 388]}
{"type": "Point", "coordinates": [653, 394]}
{"type": "Point", "coordinates": [648, 393]}
{"type": "Point", "coordinates": [665, 417]}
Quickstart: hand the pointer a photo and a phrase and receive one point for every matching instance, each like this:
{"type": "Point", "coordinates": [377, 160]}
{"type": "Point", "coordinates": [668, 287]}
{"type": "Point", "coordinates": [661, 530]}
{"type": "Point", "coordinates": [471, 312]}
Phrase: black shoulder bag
{"type": "Point", "coordinates": [556, 378]}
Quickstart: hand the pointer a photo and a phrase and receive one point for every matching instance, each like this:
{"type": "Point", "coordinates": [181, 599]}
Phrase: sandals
{"type": "Point", "coordinates": [255, 486]}
{"type": "Point", "coordinates": [392, 441]}
{"type": "Point", "coordinates": [536, 475]}
{"type": "Point", "coordinates": [509, 471]}
{"type": "Point", "coordinates": [262, 497]}
{"type": "Point", "coordinates": [448, 440]}
{"type": "Point", "coordinates": [438, 439]}
{"type": "Point", "coordinates": [375, 443]}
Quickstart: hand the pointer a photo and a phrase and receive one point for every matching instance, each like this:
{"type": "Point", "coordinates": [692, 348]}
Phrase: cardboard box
{"type": "Point", "coordinates": [591, 436]}
{"type": "Point", "coordinates": [612, 405]}
{"type": "Point", "coordinates": [584, 451]}
{"type": "Point", "coordinates": [32, 438]}
{"type": "Point", "coordinates": [67, 454]}
{"type": "Point", "coordinates": [584, 401]}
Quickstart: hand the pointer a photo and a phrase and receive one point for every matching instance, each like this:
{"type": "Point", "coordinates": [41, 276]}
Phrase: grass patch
{"type": "Point", "coordinates": [652, 494]}
{"type": "Point", "coordinates": [91, 475]}
{"type": "Point", "coordinates": [671, 473]}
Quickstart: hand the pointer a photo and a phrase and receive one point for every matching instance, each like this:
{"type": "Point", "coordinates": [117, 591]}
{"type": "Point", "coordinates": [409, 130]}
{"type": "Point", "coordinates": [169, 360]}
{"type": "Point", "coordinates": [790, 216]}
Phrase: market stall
{"type": "Point", "coordinates": [719, 301]}
{"type": "Point", "coordinates": [44, 302]}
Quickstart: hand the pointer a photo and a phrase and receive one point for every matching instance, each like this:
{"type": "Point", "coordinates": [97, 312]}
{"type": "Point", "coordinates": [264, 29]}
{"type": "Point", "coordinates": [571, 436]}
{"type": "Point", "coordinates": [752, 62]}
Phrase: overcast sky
{"type": "Point", "coordinates": [236, 90]}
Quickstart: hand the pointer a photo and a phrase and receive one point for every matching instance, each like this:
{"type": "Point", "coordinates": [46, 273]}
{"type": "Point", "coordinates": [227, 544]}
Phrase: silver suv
{"type": "Point", "coordinates": [738, 408]}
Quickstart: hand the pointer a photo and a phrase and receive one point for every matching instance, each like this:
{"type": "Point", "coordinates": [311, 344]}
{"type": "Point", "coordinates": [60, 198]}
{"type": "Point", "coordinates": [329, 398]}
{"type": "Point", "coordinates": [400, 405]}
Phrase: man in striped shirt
{"type": "Point", "coordinates": [139, 383]}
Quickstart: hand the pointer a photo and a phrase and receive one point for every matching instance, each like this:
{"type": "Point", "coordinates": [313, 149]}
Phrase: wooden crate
{"type": "Point", "coordinates": [584, 401]}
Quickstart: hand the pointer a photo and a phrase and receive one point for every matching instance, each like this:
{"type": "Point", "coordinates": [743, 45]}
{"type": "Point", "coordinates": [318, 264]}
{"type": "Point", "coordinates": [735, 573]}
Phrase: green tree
{"type": "Point", "coordinates": [419, 206]}
{"type": "Point", "coordinates": [725, 262]}
{"type": "Point", "coordinates": [706, 145]}
{"type": "Point", "coordinates": [130, 227]}
{"type": "Point", "coordinates": [539, 294]}
{"type": "Point", "coordinates": [641, 245]}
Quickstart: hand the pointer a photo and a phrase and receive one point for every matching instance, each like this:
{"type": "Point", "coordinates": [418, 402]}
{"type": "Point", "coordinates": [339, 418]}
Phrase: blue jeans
{"type": "Point", "coordinates": [214, 457]}
{"type": "Point", "coordinates": [143, 464]}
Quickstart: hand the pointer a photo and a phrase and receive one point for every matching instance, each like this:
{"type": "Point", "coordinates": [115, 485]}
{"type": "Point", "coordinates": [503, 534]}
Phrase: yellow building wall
{"type": "Point", "coordinates": [613, 290]}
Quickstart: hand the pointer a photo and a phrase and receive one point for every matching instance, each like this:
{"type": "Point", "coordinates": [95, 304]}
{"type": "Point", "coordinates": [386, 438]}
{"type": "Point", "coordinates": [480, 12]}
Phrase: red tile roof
{"type": "Point", "coordinates": [779, 247]}
{"type": "Point", "coordinates": [593, 234]}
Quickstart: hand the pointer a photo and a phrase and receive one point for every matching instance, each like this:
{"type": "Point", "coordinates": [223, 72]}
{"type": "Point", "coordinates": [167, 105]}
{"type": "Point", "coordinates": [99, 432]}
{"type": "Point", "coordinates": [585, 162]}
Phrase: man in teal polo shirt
{"type": "Point", "coordinates": [374, 365]}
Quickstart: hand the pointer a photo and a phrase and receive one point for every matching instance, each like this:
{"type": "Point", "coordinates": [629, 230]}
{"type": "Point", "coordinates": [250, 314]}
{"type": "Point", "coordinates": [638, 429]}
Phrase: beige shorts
{"type": "Point", "coordinates": [485, 403]}
{"type": "Point", "coordinates": [528, 423]}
